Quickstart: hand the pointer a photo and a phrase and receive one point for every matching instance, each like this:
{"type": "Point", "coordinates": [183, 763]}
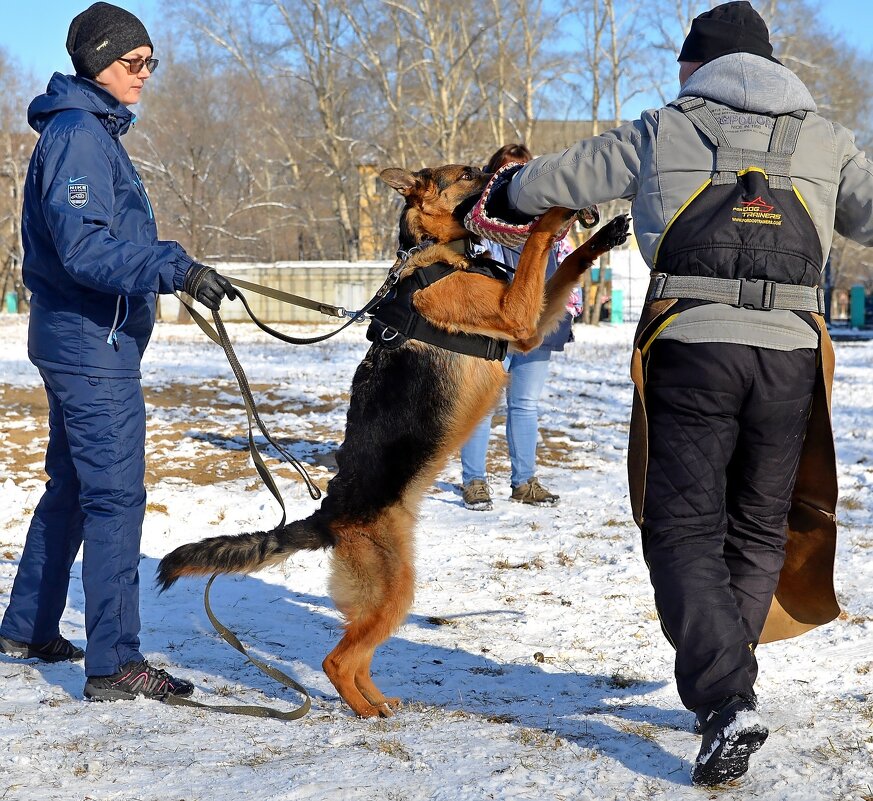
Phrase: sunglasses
{"type": "Point", "coordinates": [135, 65]}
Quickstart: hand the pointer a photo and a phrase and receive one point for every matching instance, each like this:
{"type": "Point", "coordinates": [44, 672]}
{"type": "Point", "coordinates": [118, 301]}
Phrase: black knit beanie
{"type": "Point", "coordinates": [102, 34]}
{"type": "Point", "coordinates": [728, 28]}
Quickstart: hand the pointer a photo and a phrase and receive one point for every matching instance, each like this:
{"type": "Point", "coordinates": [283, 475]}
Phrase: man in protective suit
{"type": "Point", "coordinates": [737, 188]}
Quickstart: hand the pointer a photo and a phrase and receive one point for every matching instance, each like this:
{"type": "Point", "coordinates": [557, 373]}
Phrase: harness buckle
{"type": "Point", "coordinates": [755, 293]}
{"type": "Point", "coordinates": [657, 283]}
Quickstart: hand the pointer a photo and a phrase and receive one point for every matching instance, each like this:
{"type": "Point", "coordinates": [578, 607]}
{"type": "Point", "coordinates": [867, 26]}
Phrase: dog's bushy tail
{"type": "Point", "coordinates": [241, 553]}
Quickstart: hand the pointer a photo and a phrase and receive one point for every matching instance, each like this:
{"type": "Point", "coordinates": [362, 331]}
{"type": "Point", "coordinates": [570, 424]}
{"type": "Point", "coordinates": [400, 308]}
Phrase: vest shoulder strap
{"type": "Point", "coordinates": [731, 161]}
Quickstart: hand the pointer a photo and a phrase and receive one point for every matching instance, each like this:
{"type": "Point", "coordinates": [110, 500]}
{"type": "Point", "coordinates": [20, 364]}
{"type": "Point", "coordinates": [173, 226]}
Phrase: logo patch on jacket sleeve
{"type": "Point", "coordinates": [78, 195]}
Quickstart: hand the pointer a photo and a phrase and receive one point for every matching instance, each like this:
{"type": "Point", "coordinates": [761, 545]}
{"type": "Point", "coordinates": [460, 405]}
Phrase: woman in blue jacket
{"type": "Point", "coordinates": [93, 263]}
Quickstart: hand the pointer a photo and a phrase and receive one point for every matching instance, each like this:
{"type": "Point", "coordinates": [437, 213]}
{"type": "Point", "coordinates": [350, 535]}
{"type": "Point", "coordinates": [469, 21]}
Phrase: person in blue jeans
{"type": "Point", "coordinates": [94, 265]}
{"type": "Point", "coordinates": [527, 377]}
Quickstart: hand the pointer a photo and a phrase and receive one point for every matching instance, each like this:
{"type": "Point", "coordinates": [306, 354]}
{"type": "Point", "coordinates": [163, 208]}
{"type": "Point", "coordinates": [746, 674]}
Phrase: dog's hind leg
{"type": "Point", "coordinates": [372, 584]}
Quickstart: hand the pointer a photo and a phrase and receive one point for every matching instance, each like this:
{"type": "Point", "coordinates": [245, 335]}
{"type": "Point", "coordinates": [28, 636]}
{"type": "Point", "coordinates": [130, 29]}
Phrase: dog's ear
{"type": "Point", "coordinates": [402, 180]}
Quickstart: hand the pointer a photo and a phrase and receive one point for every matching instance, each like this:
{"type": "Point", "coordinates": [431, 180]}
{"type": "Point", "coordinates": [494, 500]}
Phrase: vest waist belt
{"type": "Point", "coordinates": [744, 293]}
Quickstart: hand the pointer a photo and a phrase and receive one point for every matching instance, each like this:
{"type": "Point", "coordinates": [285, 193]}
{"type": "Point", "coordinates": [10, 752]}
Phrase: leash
{"type": "Point", "coordinates": [323, 308]}
{"type": "Point", "coordinates": [242, 709]}
{"type": "Point", "coordinates": [220, 337]}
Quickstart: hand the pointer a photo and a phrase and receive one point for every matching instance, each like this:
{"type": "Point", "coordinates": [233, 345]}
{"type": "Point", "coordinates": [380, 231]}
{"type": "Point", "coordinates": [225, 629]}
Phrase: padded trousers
{"type": "Point", "coordinates": [726, 424]}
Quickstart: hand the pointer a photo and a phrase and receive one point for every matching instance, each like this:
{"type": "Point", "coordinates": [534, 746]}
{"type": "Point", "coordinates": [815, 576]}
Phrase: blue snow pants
{"type": "Point", "coordinates": [95, 494]}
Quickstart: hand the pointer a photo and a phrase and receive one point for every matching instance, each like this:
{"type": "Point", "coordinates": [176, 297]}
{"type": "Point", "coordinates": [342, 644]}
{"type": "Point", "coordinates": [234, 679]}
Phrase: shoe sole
{"type": "Point", "coordinates": [731, 759]}
{"type": "Point", "coordinates": [112, 695]}
{"type": "Point", "coordinates": [482, 506]}
{"type": "Point", "coordinates": [535, 503]}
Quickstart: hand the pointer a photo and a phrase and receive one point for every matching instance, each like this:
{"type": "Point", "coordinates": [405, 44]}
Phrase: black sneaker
{"type": "Point", "coordinates": [59, 649]}
{"type": "Point", "coordinates": [732, 732]}
{"type": "Point", "coordinates": [135, 679]}
{"type": "Point", "coordinates": [703, 713]}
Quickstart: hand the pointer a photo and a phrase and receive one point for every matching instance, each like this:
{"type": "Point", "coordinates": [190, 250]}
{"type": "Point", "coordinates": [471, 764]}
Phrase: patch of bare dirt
{"type": "Point", "coordinates": [215, 421]}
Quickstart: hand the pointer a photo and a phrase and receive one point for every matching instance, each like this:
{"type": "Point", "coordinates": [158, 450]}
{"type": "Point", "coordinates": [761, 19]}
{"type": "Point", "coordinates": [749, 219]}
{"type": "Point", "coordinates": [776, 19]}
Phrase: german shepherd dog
{"type": "Point", "coordinates": [411, 407]}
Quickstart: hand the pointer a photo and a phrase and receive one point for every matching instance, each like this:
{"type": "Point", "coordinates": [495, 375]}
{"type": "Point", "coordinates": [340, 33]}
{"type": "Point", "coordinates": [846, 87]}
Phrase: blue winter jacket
{"type": "Point", "coordinates": [92, 257]}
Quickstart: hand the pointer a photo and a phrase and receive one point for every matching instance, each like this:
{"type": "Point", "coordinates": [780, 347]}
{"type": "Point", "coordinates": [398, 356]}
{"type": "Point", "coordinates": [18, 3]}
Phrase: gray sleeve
{"type": "Point", "coordinates": [854, 212]}
{"type": "Point", "coordinates": [596, 170]}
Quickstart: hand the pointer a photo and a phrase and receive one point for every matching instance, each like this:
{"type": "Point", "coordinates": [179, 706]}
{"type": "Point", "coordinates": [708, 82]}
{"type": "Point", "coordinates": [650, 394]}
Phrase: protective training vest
{"type": "Point", "coordinates": [745, 237]}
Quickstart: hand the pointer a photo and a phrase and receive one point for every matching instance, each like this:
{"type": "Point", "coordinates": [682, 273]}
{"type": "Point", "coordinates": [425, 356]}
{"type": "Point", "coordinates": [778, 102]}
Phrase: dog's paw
{"type": "Point", "coordinates": [611, 235]}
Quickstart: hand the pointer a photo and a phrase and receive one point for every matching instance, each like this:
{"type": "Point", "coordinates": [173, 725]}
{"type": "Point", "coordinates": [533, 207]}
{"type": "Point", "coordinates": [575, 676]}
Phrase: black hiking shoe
{"type": "Point", "coordinates": [135, 679]}
{"type": "Point", "coordinates": [59, 649]}
{"type": "Point", "coordinates": [732, 731]}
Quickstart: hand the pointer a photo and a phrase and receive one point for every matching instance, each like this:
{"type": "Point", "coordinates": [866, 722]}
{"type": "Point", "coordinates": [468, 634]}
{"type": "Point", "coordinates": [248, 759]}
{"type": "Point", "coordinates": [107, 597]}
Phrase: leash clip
{"type": "Point", "coordinates": [357, 316]}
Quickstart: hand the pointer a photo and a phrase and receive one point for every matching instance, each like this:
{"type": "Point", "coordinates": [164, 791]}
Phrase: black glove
{"type": "Point", "coordinates": [209, 287]}
{"type": "Point", "coordinates": [497, 203]}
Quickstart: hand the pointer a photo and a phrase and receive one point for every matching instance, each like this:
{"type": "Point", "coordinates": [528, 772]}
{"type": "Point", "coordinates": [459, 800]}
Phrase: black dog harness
{"type": "Point", "coordinates": [395, 319]}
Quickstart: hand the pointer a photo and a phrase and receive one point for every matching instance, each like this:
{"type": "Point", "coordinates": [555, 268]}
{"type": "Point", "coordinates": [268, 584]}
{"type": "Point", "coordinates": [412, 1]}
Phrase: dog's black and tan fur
{"type": "Point", "coordinates": [410, 408]}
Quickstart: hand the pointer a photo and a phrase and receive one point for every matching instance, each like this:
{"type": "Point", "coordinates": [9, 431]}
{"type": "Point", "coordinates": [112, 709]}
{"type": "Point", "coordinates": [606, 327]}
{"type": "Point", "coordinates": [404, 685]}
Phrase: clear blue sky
{"type": "Point", "coordinates": [34, 31]}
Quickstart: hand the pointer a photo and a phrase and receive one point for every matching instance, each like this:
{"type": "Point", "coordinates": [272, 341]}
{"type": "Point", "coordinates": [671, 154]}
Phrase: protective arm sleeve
{"type": "Point", "coordinates": [88, 249]}
{"type": "Point", "coordinates": [595, 170]}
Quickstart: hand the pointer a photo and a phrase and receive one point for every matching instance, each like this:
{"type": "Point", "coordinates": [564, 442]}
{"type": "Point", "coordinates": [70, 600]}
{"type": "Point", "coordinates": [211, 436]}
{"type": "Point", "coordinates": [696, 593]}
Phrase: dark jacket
{"type": "Point", "coordinates": [92, 257]}
{"type": "Point", "coordinates": [510, 256]}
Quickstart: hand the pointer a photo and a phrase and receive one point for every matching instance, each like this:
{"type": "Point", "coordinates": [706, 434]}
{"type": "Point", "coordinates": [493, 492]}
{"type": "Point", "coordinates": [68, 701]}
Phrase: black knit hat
{"type": "Point", "coordinates": [728, 28]}
{"type": "Point", "coordinates": [101, 34]}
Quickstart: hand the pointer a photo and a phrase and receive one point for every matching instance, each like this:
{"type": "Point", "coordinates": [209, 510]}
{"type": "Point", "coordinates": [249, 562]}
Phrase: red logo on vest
{"type": "Point", "coordinates": [759, 204]}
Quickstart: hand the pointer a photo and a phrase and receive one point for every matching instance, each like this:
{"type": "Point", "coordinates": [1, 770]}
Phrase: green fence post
{"type": "Point", "coordinates": [616, 314]}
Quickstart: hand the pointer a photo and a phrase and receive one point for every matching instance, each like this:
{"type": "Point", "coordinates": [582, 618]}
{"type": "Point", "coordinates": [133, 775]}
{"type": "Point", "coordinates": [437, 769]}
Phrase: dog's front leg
{"type": "Point", "coordinates": [480, 304]}
{"type": "Point", "coordinates": [523, 301]}
{"type": "Point", "coordinates": [567, 275]}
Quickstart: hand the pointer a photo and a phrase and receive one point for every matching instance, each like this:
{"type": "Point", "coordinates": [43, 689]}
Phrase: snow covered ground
{"type": "Point", "coordinates": [593, 716]}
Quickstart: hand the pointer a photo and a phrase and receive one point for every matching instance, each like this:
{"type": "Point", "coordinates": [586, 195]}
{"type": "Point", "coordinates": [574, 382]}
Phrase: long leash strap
{"type": "Point", "coordinates": [287, 297]}
{"type": "Point", "coordinates": [324, 308]}
{"type": "Point", "coordinates": [220, 337]}
{"type": "Point", "coordinates": [274, 673]}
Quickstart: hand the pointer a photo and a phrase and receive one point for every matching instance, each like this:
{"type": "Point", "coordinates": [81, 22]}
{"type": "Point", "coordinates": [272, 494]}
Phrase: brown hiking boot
{"type": "Point", "coordinates": [534, 493]}
{"type": "Point", "coordinates": [477, 496]}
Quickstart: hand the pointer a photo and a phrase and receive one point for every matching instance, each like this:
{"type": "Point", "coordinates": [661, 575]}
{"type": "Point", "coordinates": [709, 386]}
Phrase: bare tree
{"type": "Point", "coordinates": [200, 153]}
{"type": "Point", "coordinates": [16, 144]}
{"type": "Point", "coordinates": [291, 54]}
